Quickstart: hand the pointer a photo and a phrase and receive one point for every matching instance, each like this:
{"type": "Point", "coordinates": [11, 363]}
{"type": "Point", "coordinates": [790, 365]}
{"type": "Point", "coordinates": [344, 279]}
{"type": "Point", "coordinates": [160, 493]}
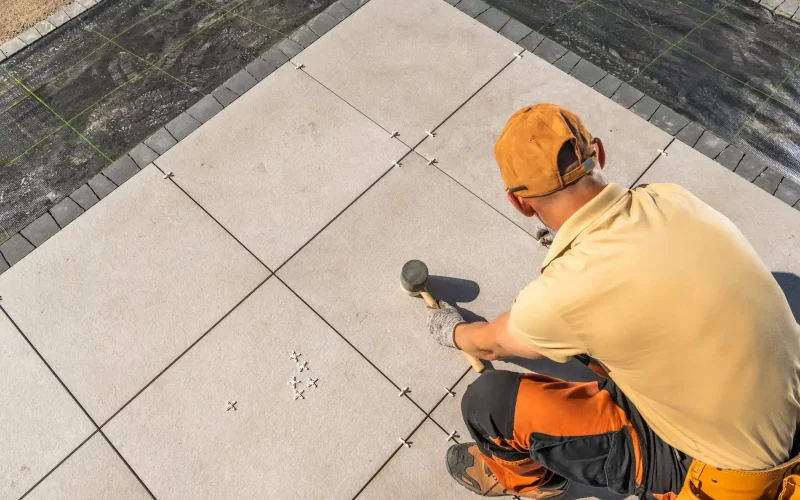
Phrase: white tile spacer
{"type": "Point", "coordinates": [662, 152]}
{"type": "Point", "coordinates": [312, 382]}
{"type": "Point", "coordinates": [430, 134]}
{"type": "Point", "coordinates": [452, 435]}
{"type": "Point", "coordinates": [448, 391]}
{"type": "Point", "coordinates": [303, 366]}
{"type": "Point", "coordinates": [403, 392]}
{"type": "Point", "coordinates": [394, 134]}
{"type": "Point", "coordinates": [299, 394]}
{"type": "Point", "coordinates": [431, 161]}
{"type": "Point", "coordinates": [396, 164]}
{"type": "Point", "coordinates": [231, 406]}
{"type": "Point", "coordinates": [169, 175]}
{"type": "Point", "coordinates": [298, 66]}
{"type": "Point", "coordinates": [293, 382]}
{"type": "Point", "coordinates": [407, 444]}
{"type": "Point", "coordinates": [518, 55]}
{"type": "Point", "coordinates": [295, 356]}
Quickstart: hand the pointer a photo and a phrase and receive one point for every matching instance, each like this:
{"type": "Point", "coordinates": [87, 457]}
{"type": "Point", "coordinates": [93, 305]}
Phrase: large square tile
{"type": "Point", "coordinates": [464, 144]}
{"type": "Point", "coordinates": [281, 162]}
{"type": "Point", "coordinates": [281, 15]}
{"type": "Point", "coordinates": [93, 472]}
{"type": "Point", "coordinates": [407, 64]}
{"type": "Point", "coordinates": [41, 424]}
{"type": "Point", "coordinates": [184, 443]}
{"type": "Point", "coordinates": [771, 226]}
{"type": "Point", "coordinates": [118, 294]}
{"type": "Point", "coordinates": [350, 273]}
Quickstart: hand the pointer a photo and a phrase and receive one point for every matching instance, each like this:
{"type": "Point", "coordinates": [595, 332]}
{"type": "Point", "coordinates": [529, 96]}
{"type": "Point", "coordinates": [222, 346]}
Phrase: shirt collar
{"type": "Point", "coordinates": [581, 219]}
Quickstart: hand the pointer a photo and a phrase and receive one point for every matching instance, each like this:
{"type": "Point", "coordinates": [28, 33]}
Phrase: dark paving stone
{"type": "Point", "coordinates": [668, 120]}
{"type": "Point", "coordinates": [493, 19]}
{"type": "Point", "coordinates": [769, 180]}
{"type": "Point", "coordinates": [323, 23]}
{"type": "Point", "coordinates": [608, 85]}
{"type": "Point", "coordinates": [142, 155]}
{"type": "Point", "coordinates": [690, 134]}
{"type": "Point", "coordinates": [587, 73]}
{"type": "Point", "coordinates": [74, 9]}
{"type": "Point", "coordinates": [788, 191]}
{"type": "Point", "coordinates": [645, 107]}
{"type": "Point", "coordinates": [133, 112]}
{"type": "Point", "coordinates": [89, 80]}
{"type": "Point", "coordinates": [730, 158]}
{"type": "Point", "coordinates": [536, 13]}
{"type": "Point", "coordinates": [626, 96]}
{"type": "Point", "coordinates": [53, 55]}
{"type": "Point", "coordinates": [218, 52]}
{"type": "Point", "coordinates": [772, 135]}
{"type": "Point", "coordinates": [85, 197]}
{"type": "Point", "coordinates": [121, 170]}
{"type": "Point", "coordinates": [40, 230]}
{"type": "Point", "coordinates": [205, 109]}
{"type": "Point", "coordinates": [224, 96]}
{"type": "Point", "coordinates": [22, 126]}
{"type": "Point", "coordinates": [750, 17]}
{"type": "Point", "coordinates": [338, 11]}
{"type": "Point", "coordinates": [289, 47]}
{"type": "Point", "coordinates": [44, 27]}
{"type": "Point", "coordinates": [167, 29]}
{"type": "Point", "coordinates": [10, 92]}
{"type": "Point", "coordinates": [532, 42]}
{"type": "Point", "coordinates": [182, 126]}
{"type": "Point", "coordinates": [29, 36]}
{"type": "Point", "coordinates": [710, 145]}
{"type": "Point", "coordinates": [101, 186]}
{"type": "Point", "coordinates": [15, 249]}
{"type": "Point", "coordinates": [58, 19]}
{"type": "Point", "coordinates": [283, 15]}
{"type": "Point", "coordinates": [241, 82]}
{"type": "Point", "coordinates": [3, 264]}
{"type": "Point", "coordinates": [472, 8]}
{"type": "Point", "coordinates": [515, 30]}
{"type": "Point", "coordinates": [550, 51]}
{"type": "Point", "coordinates": [161, 141]}
{"type": "Point", "coordinates": [11, 47]}
{"type": "Point", "coordinates": [113, 18]}
{"type": "Point", "coordinates": [692, 88]}
{"type": "Point", "coordinates": [567, 62]}
{"type": "Point", "coordinates": [353, 5]}
{"type": "Point", "coordinates": [669, 19]}
{"type": "Point", "coordinates": [618, 46]}
{"type": "Point", "coordinates": [275, 57]}
{"type": "Point", "coordinates": [65, 212]}
{"type": "Point", "coordinates": [260, 69]}
{"type": "Point", "coordinates": [740, 55]}
{"type": "Point", "coordinates": [749, 168]}
{"type": "Point", "coordinates": [304, 36]}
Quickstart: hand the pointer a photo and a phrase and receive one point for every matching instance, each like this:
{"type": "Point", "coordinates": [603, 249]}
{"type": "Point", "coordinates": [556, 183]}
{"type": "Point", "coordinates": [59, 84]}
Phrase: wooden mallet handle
{"type": "Point", "coordinates": [476, 363]}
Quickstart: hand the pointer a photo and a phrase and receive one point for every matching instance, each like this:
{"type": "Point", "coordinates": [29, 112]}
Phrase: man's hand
{"type": "Point", "coordinates": [442, 323]}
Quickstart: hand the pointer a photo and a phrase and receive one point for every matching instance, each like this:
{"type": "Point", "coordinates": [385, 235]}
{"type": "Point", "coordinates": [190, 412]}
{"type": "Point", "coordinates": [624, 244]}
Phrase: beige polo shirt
{"type": "Point", "coordinates": [668, 294]}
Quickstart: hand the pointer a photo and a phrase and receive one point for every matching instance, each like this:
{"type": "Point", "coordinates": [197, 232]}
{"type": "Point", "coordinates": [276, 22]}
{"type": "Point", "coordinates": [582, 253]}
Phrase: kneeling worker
{"type": "Point", "coordinates": [662, 295]}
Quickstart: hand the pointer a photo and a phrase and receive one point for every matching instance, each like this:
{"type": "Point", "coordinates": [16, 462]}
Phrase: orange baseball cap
{"type": "Point", "coordinates": [527, 150]}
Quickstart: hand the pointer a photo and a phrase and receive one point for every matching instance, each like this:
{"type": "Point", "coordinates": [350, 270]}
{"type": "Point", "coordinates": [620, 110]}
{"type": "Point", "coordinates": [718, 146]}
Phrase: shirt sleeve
{"type": "Point", "coordinates": [535, 321]}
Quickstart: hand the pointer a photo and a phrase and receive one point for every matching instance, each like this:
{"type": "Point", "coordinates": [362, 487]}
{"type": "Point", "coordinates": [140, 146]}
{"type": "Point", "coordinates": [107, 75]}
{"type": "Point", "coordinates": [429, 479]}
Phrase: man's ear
{"type": "Point", "coordinates": [521, 207]}
{"type": "Point", "coordinates": [601, 152]}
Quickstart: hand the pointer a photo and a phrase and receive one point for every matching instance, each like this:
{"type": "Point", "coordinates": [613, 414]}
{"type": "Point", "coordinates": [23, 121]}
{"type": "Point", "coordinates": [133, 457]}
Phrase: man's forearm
{"type": "Point", "coordinates": [490, 341]}
{"type": "Point", "coordinates": [468, 338]}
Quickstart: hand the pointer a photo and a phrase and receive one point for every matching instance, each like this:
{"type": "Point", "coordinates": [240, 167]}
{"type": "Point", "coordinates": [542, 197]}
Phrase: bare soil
{"type": "Point", "coordinates": [18, 15]}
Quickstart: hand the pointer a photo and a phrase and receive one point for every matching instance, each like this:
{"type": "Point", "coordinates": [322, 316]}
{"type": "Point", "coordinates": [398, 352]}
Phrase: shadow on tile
{"type": "Point", "coordinates": [453, 289]}
{"type": "Point", "coordinates": [790, 284]}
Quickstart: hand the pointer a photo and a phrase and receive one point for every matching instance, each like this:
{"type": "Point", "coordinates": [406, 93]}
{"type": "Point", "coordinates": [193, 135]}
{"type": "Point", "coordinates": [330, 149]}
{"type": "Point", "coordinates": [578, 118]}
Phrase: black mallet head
{"type": "Point", "coordinates": [414, 277]}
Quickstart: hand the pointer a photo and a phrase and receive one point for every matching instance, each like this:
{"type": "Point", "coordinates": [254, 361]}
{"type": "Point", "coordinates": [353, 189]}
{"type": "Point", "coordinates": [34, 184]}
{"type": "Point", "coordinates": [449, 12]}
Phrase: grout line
{"type": "Point", "coordinates": [59, 464]}
{"type": "Point", "coordinates": [101, 99]}
{"type": "Point", "coordinates": [658, 155]}
{"type": "Point", "coordinates": [126, 463]}
{"type": "Point", "coordinates": [33, 146]}
{"type": "Point", "coordinates": [769, 97]}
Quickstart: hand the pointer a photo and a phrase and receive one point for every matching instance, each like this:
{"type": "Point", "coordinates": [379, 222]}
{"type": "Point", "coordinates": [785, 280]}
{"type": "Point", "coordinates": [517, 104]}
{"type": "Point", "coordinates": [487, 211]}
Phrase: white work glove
{"type": "Point", "coordinates": [442, 323]}
{"type": "Point", "coordinates": [545, 236]}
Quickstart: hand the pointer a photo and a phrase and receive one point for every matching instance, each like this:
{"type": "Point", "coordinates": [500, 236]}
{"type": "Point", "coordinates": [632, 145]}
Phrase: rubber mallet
{"type": "Point", "coordinates": [414, 280]}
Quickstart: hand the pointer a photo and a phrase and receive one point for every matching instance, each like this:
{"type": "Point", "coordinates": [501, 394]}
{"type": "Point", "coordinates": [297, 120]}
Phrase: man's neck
{"type": "Point", "coordinates": [565, 203]}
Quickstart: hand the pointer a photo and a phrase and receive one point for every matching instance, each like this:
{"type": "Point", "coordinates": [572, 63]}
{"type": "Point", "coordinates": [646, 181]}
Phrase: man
{"type": "Point", "coordinates": [665, 298]}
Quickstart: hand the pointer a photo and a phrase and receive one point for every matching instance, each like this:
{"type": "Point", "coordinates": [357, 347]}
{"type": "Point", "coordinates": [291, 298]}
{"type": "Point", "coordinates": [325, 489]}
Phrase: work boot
{"type": "Point", "coordinates": [468, 467]}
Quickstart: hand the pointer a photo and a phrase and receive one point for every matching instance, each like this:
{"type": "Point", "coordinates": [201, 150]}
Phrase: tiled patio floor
{"type": "Point", "coordinates": [145, 347]}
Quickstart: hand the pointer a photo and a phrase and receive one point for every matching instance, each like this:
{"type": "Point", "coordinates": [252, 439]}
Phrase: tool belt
{"type": "Point", "coordinates": [704, 482]}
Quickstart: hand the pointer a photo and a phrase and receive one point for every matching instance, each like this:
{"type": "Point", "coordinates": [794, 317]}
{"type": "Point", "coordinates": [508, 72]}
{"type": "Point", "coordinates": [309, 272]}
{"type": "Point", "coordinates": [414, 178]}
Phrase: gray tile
{"type": "Point", "coordinates": [464, 144]}
{"type": "Point", "coordinates": [121, 170]}
{"type": "Point", "coordinates": [304, 36]}
{"type": "Point", "coordinates": [452, 2]}
{"type": "Point", "coordinates": [12, 46]}
{"type": "Point", "coordinates": [769, 180]}
{"type": "Point", "coordinates": [15, 248]}
{"type": "Point", "coordinates": [788, 191]}
{"type": "Point", "coordinates": [40, 230]}
{"type": "Point", "coordinates": [550, 51]}
{"type": "Point", "coordinates": [354, 5]}
{"type": "Point", "coordinates": [59, 18]}
{"type": "Point", "coordinates": [493, 19]}
{"type": "Point", "coordinates": [267, 422]}
{"type": "Point", "coordinates": [101, 186]}
{"type": "Point", "coordinates": [241, 82]}
{"type": "Point", "coordinates": [750, 168]}
{"type": "Point", "coordinates": [730, 158]}
{"type": "Point", "coordinates": [690, 134]}
{"type": "Point", "coordinates": [338, 11]}
{"type": "Point", "coordinates": [472, 8]}
{"type": "Point", "coordinates": [142, 155]}
{"type": "Point", "coordinates": [404, 92]}
{"type": "Point", "coordinates": [275, 57]}
{"type": "Point", "coordinates": [3, 264]}
{"type": "Point", "coordinates": [42, 424]}
{"type": "Point", "coordinates": [161, 141]}
{"type": "Point", "coordinates": [44, 27]}
{"type": "Point", "coordinates": [772, 4]}
{"type": "Point", "coordinates": [531, 41]}
{"type": "Point", "coordinates": [710, 145]}
{"type": "Point", "coordinates": [626, 96]}
{"type": "Point", "coordinates": [796, 17]}
{"type": "Point", "coordinates": [85, 197]}
{"type": "Point", "coordinates": [65, 212]}
{"type": "Point", "coordinates": [74, 9]}
{"type": "Point", "coordinates": [323, 23]}
{"type": "Point", "coordinates": [515, 31]}
{"type": "Point", "coordinates": [30, 35]}
{"type": "Point", "coordinates": [224, 95]}
{"type": "Point", "coordinates": [205, 109]}
{"type": "Point", "coordinates": [587, 73]}
{"type": "Point", "coordinates": [254, 160]}
{"type": "Point", "coordinates": [94, 472]}
{"type": "Point", "coordinates": [182, 125]}
{"type": "Point", "coordinates": [289, 47]}
{"type": "Point", "coordinates": [567, 62]}
{"type": "Point", "coordinates": [608, 85]}
{"type": "Point", "coordinates": [668, 120]}
{"type": "Point", "coordinates": [259, 69]}
{"type": "Point", "coordinates": [646, 107]}
{"type": "Point", "coordinates": [148, 252]}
